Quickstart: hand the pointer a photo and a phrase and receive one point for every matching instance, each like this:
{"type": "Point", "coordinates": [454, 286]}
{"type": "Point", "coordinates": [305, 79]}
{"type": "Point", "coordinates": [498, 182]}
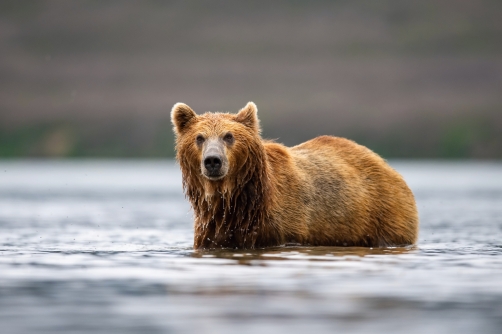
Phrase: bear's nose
{"type": "Point", "coordinates": [212, 164]}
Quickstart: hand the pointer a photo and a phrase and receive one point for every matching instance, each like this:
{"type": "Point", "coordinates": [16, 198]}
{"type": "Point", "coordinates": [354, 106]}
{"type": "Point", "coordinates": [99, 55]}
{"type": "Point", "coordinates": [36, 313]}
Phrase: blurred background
{"type": "Point", "coordinates": [409, 79]}
{"type": "Point", "coordinates": [105, 245]}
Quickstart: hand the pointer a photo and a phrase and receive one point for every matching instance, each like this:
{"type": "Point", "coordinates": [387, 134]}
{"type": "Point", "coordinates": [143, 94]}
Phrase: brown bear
{"type": "Point", "coordinates": [247, 192]}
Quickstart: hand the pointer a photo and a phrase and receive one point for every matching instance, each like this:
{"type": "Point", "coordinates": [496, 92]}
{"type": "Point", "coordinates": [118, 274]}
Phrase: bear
{"type": "Point", "coordinates": [248, 193]}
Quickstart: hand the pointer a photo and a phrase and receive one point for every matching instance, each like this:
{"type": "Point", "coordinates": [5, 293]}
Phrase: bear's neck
{"type": "Point", "coordinates": [232, 213]}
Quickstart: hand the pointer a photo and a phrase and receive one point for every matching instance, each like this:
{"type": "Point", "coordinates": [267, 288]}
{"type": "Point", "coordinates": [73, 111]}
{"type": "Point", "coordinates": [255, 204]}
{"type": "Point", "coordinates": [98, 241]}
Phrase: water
{"type": "Point", "coordinates": [105, 246]}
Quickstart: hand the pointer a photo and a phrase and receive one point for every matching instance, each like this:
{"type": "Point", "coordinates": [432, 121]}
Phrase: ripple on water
{"type": "Point", "coordinates": [111, 242]}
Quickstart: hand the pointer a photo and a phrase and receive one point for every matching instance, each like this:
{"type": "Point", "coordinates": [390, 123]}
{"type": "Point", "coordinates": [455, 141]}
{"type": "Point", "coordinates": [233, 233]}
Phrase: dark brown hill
{"type": "Point", "coordinates": [408, 79]}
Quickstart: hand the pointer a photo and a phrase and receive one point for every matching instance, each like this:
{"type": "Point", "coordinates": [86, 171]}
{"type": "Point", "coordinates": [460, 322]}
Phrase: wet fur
{"type": "Point", "coordinates": [327, 191]}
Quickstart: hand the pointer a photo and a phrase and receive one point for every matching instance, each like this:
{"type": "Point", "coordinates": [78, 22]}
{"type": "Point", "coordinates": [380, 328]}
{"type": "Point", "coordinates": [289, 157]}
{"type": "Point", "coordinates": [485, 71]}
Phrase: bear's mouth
{"type": "Point", "coordinates": [215, 174]}
{"type": "Point", "coordinates": [215, 178]}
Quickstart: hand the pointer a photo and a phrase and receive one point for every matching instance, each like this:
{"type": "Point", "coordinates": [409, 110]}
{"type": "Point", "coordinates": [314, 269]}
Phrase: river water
{"type": "Point", "coordinates": [105, 247]}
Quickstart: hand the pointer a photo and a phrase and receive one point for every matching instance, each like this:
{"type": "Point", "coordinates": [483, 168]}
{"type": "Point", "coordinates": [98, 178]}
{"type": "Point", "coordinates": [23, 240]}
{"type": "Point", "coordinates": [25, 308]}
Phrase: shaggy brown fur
{"type": "Point", "coordinates": [327, 191]}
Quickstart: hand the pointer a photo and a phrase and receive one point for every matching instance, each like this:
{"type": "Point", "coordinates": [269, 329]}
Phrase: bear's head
{"type": "Point", "coordinates": [216, 146]}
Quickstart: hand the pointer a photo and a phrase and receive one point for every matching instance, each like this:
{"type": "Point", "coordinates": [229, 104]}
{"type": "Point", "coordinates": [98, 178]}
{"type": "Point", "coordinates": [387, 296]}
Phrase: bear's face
{"type": "Point", "coordinates": [216, 144]}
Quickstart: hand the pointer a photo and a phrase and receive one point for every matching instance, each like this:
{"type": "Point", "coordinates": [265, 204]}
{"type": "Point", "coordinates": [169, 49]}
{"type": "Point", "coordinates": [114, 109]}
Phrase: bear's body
{"type": "Point", "coordinates": [250, 193]}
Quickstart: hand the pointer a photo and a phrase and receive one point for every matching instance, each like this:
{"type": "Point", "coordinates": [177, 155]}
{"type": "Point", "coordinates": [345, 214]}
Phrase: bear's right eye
{"type": "Point", "coordinates": [200, 140]}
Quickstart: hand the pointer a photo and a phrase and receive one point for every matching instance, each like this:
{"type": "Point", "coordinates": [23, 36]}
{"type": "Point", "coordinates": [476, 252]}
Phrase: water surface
{"type": "Point", "coordinates": [105, 246]}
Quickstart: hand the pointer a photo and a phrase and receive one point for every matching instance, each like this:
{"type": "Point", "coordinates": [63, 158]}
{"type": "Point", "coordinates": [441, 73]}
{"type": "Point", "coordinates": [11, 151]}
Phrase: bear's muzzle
{"type": "Point", "coordinates": [214, 162]}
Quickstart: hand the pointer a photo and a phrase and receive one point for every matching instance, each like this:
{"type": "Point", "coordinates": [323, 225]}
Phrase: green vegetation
{"type": "Point", "coordinates": [457, 138]}
{"type": "Point", "coordinates": [122, 140]}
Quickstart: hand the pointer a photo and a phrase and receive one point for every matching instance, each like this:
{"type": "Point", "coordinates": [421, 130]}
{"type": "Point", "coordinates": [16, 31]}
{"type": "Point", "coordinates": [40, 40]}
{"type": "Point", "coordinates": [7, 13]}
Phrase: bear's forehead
{"type": "Point", "coordinates": [216, 116]}
{"type": "Point", "coordinates": [216, 121]}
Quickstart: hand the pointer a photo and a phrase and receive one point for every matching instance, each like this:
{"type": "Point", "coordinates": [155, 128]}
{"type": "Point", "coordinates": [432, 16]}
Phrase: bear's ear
{"type": "Point", "coordinates": [249, 117]}
{"type": "Point", "coordinates": [181, 114]}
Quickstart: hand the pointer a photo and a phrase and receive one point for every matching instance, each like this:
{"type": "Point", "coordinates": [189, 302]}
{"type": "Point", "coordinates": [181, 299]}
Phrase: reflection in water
{"type": "Point", "coordinates": [106, 247]}
{"type": "Point", "coordinates": [318, 253]}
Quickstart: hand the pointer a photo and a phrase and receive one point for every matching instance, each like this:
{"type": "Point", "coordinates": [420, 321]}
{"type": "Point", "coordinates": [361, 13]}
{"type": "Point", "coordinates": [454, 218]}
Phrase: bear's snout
{"type": "Point", "coordinates": [214, 162]}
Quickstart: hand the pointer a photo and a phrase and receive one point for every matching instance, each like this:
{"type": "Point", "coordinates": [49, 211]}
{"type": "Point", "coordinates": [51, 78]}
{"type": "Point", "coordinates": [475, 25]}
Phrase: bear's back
{"type": "Point", "coordinates": [350, 192]}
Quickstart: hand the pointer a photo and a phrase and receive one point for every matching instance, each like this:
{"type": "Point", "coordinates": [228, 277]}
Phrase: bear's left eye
{"type": "Point", "coordinates": [229, 138]}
